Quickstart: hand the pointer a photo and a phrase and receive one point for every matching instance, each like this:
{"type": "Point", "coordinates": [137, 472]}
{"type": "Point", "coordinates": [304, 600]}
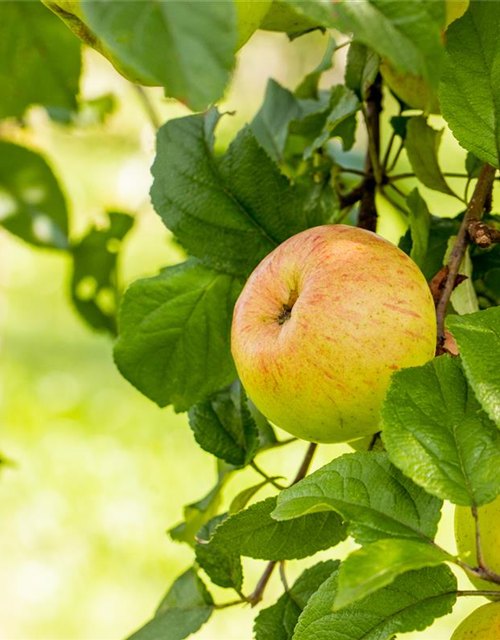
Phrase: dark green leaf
{"type": "Point", "coordinates": [374, 497]}
{"type": "Point", "coordinates": [377, 565]}
{"type": "Point", "coordinates": [222, 567]}
{"type": "Point", "coordinates": [420, 223]}
{"type": "Point", "coordinates": [411, 603]}
{"type": "Point", "coordinates": [32, 205]}
{"type": "Point", "coordinates": [94, 284]}
{"type": "Point", "coordinates": [422, 145]}
{"type": "Point", "coordinates": [254, 533]}
{"type": "Point", "coordinates": [468, 92]}
{"type": "Point", "coordinates": [308, 88]}
{"type": "Point", "coordinates": [435, 432]}
{"type": "Point", "coordinates": [340, 122]}
{"type": "Point", "coordinates": [224, 426]}
{"type": "Point", "coordinates": [478, 338]}
{"type": "Point", "coordinates": [187, 47]}
{"type": "Point", "coordinates": [278, 621]}
{"type": "Point", "coordinates": [361, 68]}
{"type": "Point", "coordinates": [270, 125]}
{"type": "Point", "coordinates": [40, 60]}
{"type": "Point", "coordinates": [174, 331]}
{"type": "Point", "coordinates": [400, 125]}
{"type": "Point", "coordinates": [185, 608]}
{"type": "Point", "coordinates": [239, 207]}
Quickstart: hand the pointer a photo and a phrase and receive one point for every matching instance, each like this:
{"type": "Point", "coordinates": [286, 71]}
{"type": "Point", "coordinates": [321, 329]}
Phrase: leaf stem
{"type": "Point", "coordinates": [148, 106]}
{"type": "Point", "coordinates": [483, 594]}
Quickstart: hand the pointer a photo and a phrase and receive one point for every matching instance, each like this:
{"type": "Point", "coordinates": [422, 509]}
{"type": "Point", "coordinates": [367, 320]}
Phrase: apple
{"type": "Point", "coordinates": [321, 325]}
{"type": "Point", "coordinates": [283, 17]}
{"type": "Point", "coordinates": [481, 624]}
{"type": "Point", "coordinates": [250, 14]}
{"type": "Point", "coordinates": [465, 535]}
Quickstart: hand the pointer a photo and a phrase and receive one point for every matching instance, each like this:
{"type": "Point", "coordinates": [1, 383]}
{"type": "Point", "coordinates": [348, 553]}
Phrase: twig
{"type": "Point", "coordinates": [479, 548]}
{"type": "Point", "coordinates": [270, 479]}
{"type": "Point", "coordinates": [148, 107]}
{"type": "Point", "coordinates": [474, 211]}
{"type": "Point", "coordinates": [306, 463]}
{"type": "Point", "coordinates": [368, 210]}
{"type": "Point", "coordinates": [482, 234]}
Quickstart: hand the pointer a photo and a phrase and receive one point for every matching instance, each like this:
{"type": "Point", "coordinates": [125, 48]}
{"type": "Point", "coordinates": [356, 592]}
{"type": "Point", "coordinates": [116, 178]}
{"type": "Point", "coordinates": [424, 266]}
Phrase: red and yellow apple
{"type": "Point", "coordinates": [321, 325]}
{"type": "Point", "coordinates": [481, 624]}
{"type": "Point", "coordinates": [465, 535]}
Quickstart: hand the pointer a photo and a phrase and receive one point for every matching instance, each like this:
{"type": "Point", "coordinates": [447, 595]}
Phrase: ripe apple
{"type": "Point", "coordinates": [321, 325]}
{"type": "Point", "coordinates": [250, 14]}
{"type": "Point", "coordinates": [283, 17]}
{"type": "Point", "coordinates": [465, 534]}
{"type": "Point", "coordinates": [481, 624]}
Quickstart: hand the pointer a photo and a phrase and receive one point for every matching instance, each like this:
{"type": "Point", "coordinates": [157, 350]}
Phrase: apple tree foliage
{"type": "Point", "coordinates": [291, 167]}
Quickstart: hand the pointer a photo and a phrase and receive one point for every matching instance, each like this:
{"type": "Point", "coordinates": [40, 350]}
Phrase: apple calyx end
{"type": "Point", "coordinates": [286, 310]}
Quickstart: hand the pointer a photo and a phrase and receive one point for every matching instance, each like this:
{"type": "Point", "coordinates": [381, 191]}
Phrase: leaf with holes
{"type": "Point", "coordinates": [32, 205]}
{"type": "Point", "coordinates": [94, 283]}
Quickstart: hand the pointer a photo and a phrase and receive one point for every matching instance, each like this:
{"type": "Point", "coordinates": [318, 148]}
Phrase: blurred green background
{"type": "Point", "coordinates": [98, 472]}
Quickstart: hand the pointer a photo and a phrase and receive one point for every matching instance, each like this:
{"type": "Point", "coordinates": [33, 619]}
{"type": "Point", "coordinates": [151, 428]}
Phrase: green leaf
{"type": "Point", "coordinates": [32, 205]}
{"type": "Point", "coordinates": [468, 91]}
{"type": "Point", "coordinates": [478, 338]}
{"type": "Point", "coordinates": [377, 565]}
{"type": "Point", "coordinates": [201, 511]}
{"type": "Point", "coordinates": [343, 106]}
{"type": "Point", "coordinates": [40, 60]}
{"type": "Point", "coordinates": [94, 283]}
{"type": "Point", "coordinates": [361, 69]}
{"type": "Point", "coordinates": [221, 566]}
{"type": "Point", "coordinates": [407, 34]}
{"type": "Point", "coordinates": [174, 334]}
{"type": "Point", "coordinates": [224, 426]}
{"type": "Point", "coordinates": [187, 47]}
{"type": "Point", "coordinates": [473, 165]}
{"type": "Point", "coordinates": [422, 145]}
{"type": "Point", "coordinates": [463, 297]}
{"type": "Point", "coordinates": [270, 124]}
{"type": "Point", "coordinates": [435, 432]}
{"type": "Point", "coordinates": [185, 608]}
{"type": "Point", "coordinates": [278, 621]}
{"type": "Point", "coordinates": [420, 224]}
{"type": "Point", "coordinates": [309, 87]}
{"type": "Point", "coordinates": [374, 497]}
{"type": "Point", "coordinates": [241, 500]}
{"type": "Point", "coordinates": [240, 206]}
{"type": "Point", "coordinates": [411, 603]}
{"type": "Point", "coordinates": [254, 533]}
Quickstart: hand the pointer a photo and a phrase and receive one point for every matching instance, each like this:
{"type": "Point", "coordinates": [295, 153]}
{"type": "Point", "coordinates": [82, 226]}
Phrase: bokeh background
{"type": "Point", "coordinates": [98, 473]}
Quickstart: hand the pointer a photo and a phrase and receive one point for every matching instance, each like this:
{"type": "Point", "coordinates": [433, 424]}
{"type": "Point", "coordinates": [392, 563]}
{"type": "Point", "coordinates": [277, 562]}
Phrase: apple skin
{"type": "Point", "coordinates": [282, 17]}
{"type": "Point", "coordinates": [250, 14]}
{"type": "Point", "coordinates": [360, 310]}
{"type": "Point", "coordinates": [481, 624]}
{"type": "Point", "coordinates": [465, 535]}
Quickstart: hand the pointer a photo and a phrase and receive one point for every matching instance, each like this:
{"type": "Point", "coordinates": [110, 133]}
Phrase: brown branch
{"type": "Point", "coordinates": [482, 234]}
{"type": "Point", "coordinates": [474, 211]}
{"type": "Point", "coordinates": [258, 593]}
{"type": "Point", "coordinates": [368, 209]}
